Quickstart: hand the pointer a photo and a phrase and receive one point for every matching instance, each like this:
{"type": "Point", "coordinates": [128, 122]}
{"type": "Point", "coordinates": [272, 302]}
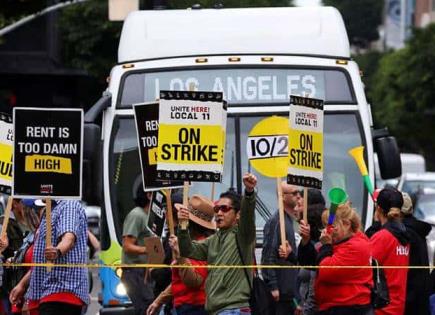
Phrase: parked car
{"type": "Point", "coordinates": [424, 210]}
{"type": "Point", "coordinates": [413, 183]}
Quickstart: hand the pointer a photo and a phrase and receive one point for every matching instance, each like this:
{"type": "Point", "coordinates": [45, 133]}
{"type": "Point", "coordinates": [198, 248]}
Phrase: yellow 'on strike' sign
{"type": "Point", "coordinates": [190, 144]}
{"type": "Point", "coordinates": [191, 136]}
{"type": "Point", "coordinates": [267, 146]}
{"type": "Point", "coordinates": [6, 152]}
{"type": "Point", "coordinates": [6, 162]}
{"type": "Point", "coordinates": [305, 131]}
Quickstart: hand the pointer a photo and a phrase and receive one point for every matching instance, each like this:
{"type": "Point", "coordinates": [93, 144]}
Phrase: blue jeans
{"type": "Point", "coordinates": [236, 311]}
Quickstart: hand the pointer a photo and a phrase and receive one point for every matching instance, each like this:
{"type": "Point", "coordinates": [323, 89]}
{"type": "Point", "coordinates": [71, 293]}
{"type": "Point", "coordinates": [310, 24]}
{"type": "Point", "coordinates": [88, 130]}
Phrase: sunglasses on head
{"type": "Point", "coordinates": [223, 208]}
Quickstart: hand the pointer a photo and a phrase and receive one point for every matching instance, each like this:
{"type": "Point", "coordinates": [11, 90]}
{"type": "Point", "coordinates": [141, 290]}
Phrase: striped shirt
{"type": "Point", "coordinates": [67, 216]}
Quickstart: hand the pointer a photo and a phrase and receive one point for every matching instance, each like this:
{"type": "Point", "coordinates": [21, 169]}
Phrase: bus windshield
{"type": "Point", "coordinates": [341, 132]}
{"type": "Point", "coordinates": [242, 86]}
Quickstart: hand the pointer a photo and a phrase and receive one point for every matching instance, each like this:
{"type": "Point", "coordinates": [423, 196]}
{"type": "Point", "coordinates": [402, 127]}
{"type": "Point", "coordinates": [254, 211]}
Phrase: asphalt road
{"type": "Point", "coordinates": [94, 307]}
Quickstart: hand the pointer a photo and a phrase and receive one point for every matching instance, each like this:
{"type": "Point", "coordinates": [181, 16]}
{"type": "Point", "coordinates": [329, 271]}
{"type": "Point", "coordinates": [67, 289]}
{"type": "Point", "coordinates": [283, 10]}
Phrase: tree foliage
{"type": "Point", "coordinates": [368, 64]}
{"type": "Point", "coordinates": [11, 10]}
{"type": "Point", "coordinates": [403, 94]}
{"type": "Point", "coordinates": [361, 17]}
{"type": "Point", "coordinates": [89, 39]}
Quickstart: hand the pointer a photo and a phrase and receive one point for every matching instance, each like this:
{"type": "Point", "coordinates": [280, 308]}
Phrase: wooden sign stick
{"type": "Point", "coordinates": [48, 222]}
{"type": "Point", "coordinates": [281, 212]}
{"type": "Point", "coordinates": [212, 191]}
{"type": "Point", "coordinates": [169, 216]}
{"type": "Point", "coordinates": [184, 223]}
{"type": "Point", "coordinates": [6, 218]}
{"type": "Point", "coordinates": [305, 211]}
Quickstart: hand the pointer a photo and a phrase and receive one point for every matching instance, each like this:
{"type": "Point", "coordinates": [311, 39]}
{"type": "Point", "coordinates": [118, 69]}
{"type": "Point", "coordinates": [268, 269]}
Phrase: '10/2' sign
{"type": "Point", "coordinates": [267, 146]}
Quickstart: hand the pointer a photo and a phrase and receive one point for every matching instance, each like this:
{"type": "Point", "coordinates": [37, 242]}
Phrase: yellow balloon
{"type": "Point", "coordinates": [267, 146]}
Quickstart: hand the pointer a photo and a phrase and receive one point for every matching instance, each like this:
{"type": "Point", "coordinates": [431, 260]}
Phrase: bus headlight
{"type": "Point", "coordinates": [120, 289]}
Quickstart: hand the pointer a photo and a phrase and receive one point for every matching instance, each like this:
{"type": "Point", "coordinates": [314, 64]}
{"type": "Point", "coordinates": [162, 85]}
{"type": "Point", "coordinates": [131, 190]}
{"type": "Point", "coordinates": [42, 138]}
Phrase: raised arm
{"type": "Point", "coordinates": [247, 211]}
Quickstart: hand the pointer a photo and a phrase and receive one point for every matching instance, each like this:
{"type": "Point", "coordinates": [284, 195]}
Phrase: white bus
{"type": "Point", "coordinates": [257, 57]}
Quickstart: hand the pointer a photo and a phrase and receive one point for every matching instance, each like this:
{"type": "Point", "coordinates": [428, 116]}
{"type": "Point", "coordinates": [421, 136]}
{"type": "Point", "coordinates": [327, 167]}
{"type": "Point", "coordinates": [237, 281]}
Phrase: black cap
{"type": "Point", "coordinates": [390, 198]}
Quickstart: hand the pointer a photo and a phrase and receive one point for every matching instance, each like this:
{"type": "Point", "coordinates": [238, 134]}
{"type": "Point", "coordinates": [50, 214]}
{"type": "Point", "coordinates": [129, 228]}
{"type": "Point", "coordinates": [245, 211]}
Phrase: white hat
{"type": "Point", "coordinates": [39, 203]}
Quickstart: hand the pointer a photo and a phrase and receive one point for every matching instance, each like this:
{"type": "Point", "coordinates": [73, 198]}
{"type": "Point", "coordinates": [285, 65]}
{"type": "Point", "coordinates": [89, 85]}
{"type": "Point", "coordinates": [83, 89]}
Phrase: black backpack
{"type": "Point", "coordinates": [380, 294]}
{"type": "Point", "coordinates": [261, 300]}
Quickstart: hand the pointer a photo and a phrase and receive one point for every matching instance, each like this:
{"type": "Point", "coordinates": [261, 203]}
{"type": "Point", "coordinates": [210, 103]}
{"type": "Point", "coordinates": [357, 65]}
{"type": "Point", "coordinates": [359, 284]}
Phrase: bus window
{"type": "Point", "coordinates": [125, 170]}
{"type": "Point", "coordinates": [341, 133]}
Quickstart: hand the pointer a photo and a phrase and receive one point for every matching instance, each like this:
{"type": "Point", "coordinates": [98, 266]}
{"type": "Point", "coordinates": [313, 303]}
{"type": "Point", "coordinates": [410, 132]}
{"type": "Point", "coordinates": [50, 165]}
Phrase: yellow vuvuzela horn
{"type": "Point", "coordinates": [358, 155]}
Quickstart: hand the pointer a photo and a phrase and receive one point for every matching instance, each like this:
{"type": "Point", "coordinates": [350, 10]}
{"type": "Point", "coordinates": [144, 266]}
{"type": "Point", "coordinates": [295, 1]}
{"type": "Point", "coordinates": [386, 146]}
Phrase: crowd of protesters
{"type": "Point", "coordinates": [222, 233]}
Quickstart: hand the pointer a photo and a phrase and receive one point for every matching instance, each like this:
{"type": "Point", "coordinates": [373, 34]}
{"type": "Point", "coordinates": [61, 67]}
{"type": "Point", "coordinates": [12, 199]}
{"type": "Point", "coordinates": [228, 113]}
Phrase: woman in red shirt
{"type": "Point", "coordinates": [342, 291]}
{"type": "Point", "coordinates": [187, 287]}
{"type": "Point", "coordinates": [25, 255]}
{"type": "Point", "coordinates": [390, 247]}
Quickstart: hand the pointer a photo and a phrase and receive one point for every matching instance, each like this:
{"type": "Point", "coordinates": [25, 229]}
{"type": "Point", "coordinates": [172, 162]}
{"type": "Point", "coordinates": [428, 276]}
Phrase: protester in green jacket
{"type": "Point", "coordinates": [227, 289]}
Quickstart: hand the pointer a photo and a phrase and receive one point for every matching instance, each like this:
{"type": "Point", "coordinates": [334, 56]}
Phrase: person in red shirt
{"type": "Point", "coordinates": [390, 247]}
{"type": "Point", "coordinates": [342, 291]}
{"type": "Point", "coordinates": [21, 275]}
{"type": "Point", "coordinates": [187, 287]}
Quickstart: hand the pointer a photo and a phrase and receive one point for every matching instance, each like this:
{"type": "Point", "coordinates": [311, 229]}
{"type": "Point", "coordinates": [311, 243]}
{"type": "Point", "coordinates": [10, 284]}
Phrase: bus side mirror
{"type": "Point", "coordinates": [386, 146]}
{"type": "Point", "coordinates": [92, 164]}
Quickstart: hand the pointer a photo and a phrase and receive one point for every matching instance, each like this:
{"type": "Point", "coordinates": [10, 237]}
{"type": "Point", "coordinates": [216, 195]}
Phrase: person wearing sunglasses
{"type": "Point", "coordinates": [227, 289]}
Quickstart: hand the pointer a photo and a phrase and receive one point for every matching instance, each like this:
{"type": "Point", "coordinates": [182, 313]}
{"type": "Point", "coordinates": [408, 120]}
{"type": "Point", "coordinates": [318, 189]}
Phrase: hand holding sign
{"type": "Point", "coordinates": [4, 243]}
{"type": "Point", "coordinates": [173, 243]}
{"type": "Point", "coordinates": [183, 215]}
